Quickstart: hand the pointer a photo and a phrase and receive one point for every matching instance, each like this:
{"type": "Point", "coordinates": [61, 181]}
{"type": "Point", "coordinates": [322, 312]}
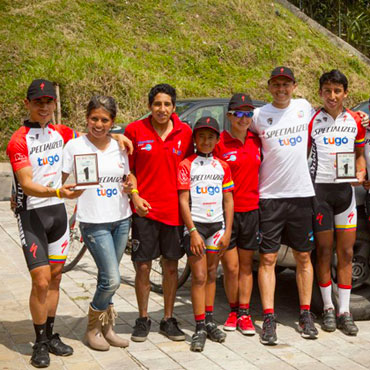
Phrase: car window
{"type": "Point", "coordinates": [214, 111]}
{"type": "Point", "coordinates": [364, 106]}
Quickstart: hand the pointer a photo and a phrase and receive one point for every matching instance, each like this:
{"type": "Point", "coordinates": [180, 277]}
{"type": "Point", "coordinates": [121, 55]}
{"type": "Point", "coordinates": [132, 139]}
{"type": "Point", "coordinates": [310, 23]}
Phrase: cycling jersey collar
{"type": "Point", "coordinates": [29, 124]}
{"type": "Point", "coordinates": [205, 155]}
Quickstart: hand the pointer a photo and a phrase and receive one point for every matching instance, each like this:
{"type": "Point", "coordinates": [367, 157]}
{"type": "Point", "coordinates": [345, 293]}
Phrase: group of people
{"type": "Point", "coordinates": [216, 196]}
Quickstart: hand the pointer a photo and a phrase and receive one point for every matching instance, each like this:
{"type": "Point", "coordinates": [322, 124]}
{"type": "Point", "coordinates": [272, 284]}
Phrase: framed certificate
{"type": "Point", "coordinates": [346, 167]}
{"type": "Point", "coordinates": [86, 170]}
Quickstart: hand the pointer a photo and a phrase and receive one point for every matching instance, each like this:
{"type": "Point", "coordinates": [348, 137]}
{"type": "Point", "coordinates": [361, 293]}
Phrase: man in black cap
{"type": "Point", "coordinates": [286, 193]}
{"type": "Point", "coordinates": [205, 182]}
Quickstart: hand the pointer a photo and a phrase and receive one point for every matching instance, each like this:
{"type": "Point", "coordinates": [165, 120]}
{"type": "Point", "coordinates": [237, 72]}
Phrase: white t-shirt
{"type": "Point", "coordinates": [106, 203]}
{"type": "Point", "coordinates": [284, 170]}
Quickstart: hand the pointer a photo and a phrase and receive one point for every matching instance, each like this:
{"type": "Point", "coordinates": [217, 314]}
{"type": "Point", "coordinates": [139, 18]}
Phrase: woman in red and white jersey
{"type": "Point", "coordinates": [240, 148]}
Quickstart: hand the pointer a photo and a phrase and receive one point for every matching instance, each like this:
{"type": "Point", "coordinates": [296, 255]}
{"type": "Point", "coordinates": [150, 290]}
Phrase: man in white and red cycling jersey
{"type": "Point", "coordinates": [35, 153]}
{"type": "Point", "coordinates": [286, 193]}
{"type": "Point", "coordinates": [334, 129]}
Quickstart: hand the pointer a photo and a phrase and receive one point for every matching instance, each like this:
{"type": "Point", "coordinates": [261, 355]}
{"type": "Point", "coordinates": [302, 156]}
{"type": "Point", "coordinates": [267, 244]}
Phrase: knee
{"type": "Point", "coordinates": [199, 278]}
{"type": "Point", "coordinates": [56, 278]}
{"type": "Point", "coordinates": [231, 270]}
{"type": "Point", "coordinates": [170, 269]}
{"type": "Point", "coordinates": [303, 259]}
{"type": "Point", "coordinates": [268, 260]}
{"type": "Point", "coordinates": [110, 284]}
{"type": "Point", "coordinates": [41, 284]}
{"type": "Point", "coordinates": [142, 269]}
{"type": "Point", "coordinates": [212, 274]}
{"type": "Point", "coordinates": [345, 255]}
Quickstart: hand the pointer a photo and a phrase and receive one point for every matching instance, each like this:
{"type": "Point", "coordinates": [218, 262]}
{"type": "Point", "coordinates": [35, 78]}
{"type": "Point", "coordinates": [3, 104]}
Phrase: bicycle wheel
{"type": "Point", "coordinates": [77, 248]}
{"type": "Point", "coordinates": [156, 274]}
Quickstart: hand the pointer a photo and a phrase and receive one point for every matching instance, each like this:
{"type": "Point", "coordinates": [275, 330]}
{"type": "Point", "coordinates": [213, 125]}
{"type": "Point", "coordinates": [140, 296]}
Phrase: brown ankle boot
{"type": "Point", "coordinates": [112, 338]}
{"type": "Point", "coordinates": [94, 336]}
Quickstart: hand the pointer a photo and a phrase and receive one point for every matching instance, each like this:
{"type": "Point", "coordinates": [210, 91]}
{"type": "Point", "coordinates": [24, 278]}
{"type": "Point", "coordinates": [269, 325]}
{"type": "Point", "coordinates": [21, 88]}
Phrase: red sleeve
{"type": "Point", "coordinates": [66, 132]}
{"type": "Point", "coordinates": [227, 183]}
{"type": "Point", "coordinates": [361, 130]}
{"type": "Point", "coordinates": [130, 133]}
{"type": "Point", "coordinates": [310, 128]}
{"type": "Point", "coordinates": [183, 175]}
{"type": "Point", "coordinates": [17, 150]}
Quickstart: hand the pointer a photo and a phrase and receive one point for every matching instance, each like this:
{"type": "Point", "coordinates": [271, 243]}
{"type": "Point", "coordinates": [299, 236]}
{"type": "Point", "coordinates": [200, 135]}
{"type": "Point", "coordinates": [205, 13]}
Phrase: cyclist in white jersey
{"type": "Point", "coordinates": [334, 129]}
{"type": "Point", "coordinates": [286, 193]}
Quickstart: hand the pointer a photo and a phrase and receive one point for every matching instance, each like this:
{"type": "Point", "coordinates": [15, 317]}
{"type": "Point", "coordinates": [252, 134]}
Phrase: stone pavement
{"type": "Point", "coordinates": [330, 351]}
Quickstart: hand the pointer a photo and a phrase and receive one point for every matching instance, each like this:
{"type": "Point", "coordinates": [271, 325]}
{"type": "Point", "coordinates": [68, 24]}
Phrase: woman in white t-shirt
{"type": "Point", "coordinates": [105, 216]}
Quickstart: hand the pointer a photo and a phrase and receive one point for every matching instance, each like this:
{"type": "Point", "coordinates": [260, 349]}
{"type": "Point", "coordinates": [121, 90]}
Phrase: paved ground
{"type": "Point", "coordinates": [330, 351]}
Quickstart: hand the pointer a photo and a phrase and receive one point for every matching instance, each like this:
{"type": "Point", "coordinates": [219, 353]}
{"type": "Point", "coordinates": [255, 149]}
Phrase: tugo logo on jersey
{"type": "Point", "coordinates": [338, 141]}
{"type": "Point", "coordinates": [51, 159]}
{"type": "Point", "coordinates": [147, 147]}
{"type": "Point", "coordinates": [107, 192]}
{"type": "Point", "coordinates": [211, 190]}
{"type": "Point", "coordinates": [292, 141]}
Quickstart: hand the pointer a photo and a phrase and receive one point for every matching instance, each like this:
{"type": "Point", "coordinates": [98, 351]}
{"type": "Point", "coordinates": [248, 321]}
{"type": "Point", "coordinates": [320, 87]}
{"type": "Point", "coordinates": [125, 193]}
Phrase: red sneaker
{"type": "Point", "coordinates": [245, 325]}
{"type": "Point", "coordinates": [230, 323]}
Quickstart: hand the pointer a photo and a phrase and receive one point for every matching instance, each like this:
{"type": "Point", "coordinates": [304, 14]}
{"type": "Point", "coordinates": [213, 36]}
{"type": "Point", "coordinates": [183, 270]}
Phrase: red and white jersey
{"type": "Point", "coordinates": [329, 136]}
{"type": "Point", "coordinates": [244, 160]}
{"type": "Point", "coordinates": [283, 133]}
{"type": "Point", "coordinates": [41, 149]}
{"type": "Point", "coordinates": [154, 163]}
{"type": "Point", "coordinates": [207, 178]}
{"type": "Point", "coordinates": [367, 151]}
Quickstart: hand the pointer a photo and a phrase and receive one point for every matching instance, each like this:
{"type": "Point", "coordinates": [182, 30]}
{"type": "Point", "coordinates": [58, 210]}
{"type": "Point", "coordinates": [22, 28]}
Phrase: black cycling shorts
{"type": "Point", "coordinates": [44, 234]}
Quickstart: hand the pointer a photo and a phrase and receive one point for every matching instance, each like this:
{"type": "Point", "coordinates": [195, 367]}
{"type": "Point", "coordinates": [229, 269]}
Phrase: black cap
{"type": "Point", "coordinates": [207, 122]}
{"type": "Point", "coordinates": [282, 72]}
{"type": "Point", "coordinates": [240, 100]}
{"type": "Point", "coordinates": [40, 88]}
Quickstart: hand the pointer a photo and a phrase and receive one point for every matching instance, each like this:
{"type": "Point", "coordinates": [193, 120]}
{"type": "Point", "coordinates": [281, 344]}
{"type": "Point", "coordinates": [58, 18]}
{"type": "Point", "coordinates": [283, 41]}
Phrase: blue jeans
{"type": "Point", "coordinates": [106, 243]}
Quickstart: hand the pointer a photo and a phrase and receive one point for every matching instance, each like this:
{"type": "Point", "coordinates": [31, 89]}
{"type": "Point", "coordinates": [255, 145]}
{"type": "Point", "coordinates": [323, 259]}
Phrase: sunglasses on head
{"type": "Point", "coordinates": [241, 114]}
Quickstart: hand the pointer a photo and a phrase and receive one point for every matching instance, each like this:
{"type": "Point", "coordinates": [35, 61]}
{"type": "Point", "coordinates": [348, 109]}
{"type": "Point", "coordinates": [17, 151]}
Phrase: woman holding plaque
{"type": "Point", "coordinates": [103, 212]}
{"type": "Point", "coordinates": [337, 139]}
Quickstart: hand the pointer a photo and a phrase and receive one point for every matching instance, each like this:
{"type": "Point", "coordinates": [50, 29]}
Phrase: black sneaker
{"type": "Point", "coordinates": [57, 347]}
{"type": "Point", "coordinates": [198, 340]}
{"type": "Point", "coordinates": [329, 320]}
{"type": "Point", "coordinates": [214, 333]}
{"type": "Point", "coordinates": [141, 329]}
{"type": "Point", "coordinates": [170, 328]}
{"type": "Point", "coordinates": [306, 326]}
{"type": "Point", "coordinates": [40, 355]}
{"type": "Point", "coordinates": [346, 324]}
{"type": "Point", "coordinates": [268, 335]}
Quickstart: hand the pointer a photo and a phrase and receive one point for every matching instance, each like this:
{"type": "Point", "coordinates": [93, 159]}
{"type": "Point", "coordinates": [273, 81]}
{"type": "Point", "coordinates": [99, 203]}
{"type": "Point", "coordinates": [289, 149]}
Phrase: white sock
{"type": "Point", "coordinates": [344, 294]}
{"type": "Point", "coordinates": [326, 295]}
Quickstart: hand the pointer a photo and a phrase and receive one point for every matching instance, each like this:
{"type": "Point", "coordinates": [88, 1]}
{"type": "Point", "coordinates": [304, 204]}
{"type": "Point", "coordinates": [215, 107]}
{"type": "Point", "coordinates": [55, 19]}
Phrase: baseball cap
{"type": "Point", "coordinates": [282, 71]}
{"type": "Point", "coordinates": [40, 88]}
{"type": "Point", "coordinates": [207, 122]}
{"type": "Point", "coordinates": [240, 100]}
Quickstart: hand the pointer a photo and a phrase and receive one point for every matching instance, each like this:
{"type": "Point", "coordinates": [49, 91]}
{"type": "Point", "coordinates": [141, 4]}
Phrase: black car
{"type": "Point", "coordinates": [190, 110]}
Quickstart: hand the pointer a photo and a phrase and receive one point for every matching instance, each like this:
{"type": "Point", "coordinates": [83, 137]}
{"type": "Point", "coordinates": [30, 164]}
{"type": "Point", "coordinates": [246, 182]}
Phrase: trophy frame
{"type": "Point", "coordinates": [346, 167]}
{"type": "Point", "coordinates": [86, 171]}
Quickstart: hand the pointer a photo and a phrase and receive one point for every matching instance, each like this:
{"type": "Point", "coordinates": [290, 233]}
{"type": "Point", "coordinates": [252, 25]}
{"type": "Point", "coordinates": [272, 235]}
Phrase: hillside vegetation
{"type": "Point", "coordinates": [123, 47]}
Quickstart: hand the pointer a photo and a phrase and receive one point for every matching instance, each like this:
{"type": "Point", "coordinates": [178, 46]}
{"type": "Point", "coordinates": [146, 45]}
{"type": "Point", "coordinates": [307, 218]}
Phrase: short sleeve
{"type": "Point", "coordinates": [130, 133]}
{"type": "Point", "coordinates": [66, 132]}
{"type": "Point", "coordinates": [227, 183]}
{"type": "Point", "coordinates": [68, 158]}
{"type": "Point", "coordinates": [17, 151]}
{"type": "Point", "coordinates": [183, 175]}
{"type": "Point", "coordinates": [361, 130]}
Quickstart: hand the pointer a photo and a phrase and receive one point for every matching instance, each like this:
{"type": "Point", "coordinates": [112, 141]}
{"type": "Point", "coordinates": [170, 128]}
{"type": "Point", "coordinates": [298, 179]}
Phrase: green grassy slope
{"type": "Point", "coordinates": [123, 47]}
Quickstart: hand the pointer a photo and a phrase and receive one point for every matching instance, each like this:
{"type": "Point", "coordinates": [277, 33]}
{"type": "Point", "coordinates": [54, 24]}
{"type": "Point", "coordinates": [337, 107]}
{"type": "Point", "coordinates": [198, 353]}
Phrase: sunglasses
{"type": "Point", "coordinates": [241, 114]}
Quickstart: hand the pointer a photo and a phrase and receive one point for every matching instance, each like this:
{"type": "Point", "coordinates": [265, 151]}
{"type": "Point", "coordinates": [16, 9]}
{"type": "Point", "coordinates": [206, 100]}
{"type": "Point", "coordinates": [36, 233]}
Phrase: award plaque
{"type": "Point", "coordinates": [86, 171]}
{"type": "Point", "coordinates": [346, 167]}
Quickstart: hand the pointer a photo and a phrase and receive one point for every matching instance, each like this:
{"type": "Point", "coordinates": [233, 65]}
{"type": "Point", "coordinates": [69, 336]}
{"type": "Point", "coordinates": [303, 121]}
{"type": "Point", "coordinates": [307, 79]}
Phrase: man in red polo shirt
{"type": "Point", "coordinates": [161, 141]}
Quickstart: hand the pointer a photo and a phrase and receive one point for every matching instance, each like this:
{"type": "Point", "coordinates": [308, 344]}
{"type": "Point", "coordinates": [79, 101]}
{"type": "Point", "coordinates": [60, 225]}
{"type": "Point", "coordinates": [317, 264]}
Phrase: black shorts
{"type": "Point", "coordinates": [210, 233]}
{"type": "Point", "coordinates": [44, 234]}
{"type": "Point", "coordinates": [151, 239]}
{"type": "Point", "coordinates": [245, 233]}
{"type": "Point", "coordinates": [287, 219]}
{"type": "Point", "coordinates": [334, 206]}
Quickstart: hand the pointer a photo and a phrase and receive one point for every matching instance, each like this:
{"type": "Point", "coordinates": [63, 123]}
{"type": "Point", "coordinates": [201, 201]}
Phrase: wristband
{"type": "Point", "coordinates": [58, 193]}
{"type": "Point", "coordinates": [134, 191]}
{"type": "Point", "coordinates": [192, 229]}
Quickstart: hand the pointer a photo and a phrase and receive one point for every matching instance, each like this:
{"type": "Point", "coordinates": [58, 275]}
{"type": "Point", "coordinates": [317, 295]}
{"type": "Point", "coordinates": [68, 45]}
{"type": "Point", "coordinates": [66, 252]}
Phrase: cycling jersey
{"type": "Point", "coordinates": [41, 149]}
{"type": "Point", "coordinates": [154, 163]}
{"type": "Point", "coordinates": [329, 136]}
{"type": "Point", "coordinates": [244, 160]}
{"type": "Point", "coordinates": [207, 178]}
{"type": "Point", "coordinates": [107, 203]}
{"type": "Point", "coordinates": [284, 171]}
